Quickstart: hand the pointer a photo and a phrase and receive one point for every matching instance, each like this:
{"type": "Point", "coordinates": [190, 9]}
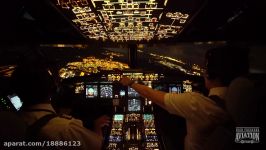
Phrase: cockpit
{"type": "Point", "coordinates": [90, 45]}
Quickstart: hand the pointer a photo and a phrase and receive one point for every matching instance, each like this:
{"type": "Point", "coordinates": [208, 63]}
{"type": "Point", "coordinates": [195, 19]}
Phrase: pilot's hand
{"type": "Point", "coordinates": [125, 81]}
{"type": "Point", "coordinates": [101, 122]}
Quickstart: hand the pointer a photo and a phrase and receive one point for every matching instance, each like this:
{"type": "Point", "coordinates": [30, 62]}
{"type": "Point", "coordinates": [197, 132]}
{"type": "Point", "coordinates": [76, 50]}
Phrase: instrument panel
{"type": "Point", "coordinates": [133, 122]}
{"type": "Point", "coordinates": [106, 86]}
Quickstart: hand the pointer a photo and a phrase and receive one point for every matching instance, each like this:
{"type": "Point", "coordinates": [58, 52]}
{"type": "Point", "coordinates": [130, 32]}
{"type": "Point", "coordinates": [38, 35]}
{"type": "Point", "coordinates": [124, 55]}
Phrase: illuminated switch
{"type": "Point", "coordinates": [74, 4]}
{"type": "Point", "coordinates": [123, 6]}
{"type": "Point", "coordinates": [147, 6]}
{"type": "Point", "coordinates": [169, 15]}
{"type": "Point", "coordinates": [130, 18]}
{"type": "Point", "coordinates": [92, 15]}
{"type": "Point", "coordinates": [105, 16]}
{"type": "Point", "coordinates": [139, 24]}
{"type": "Point", "coordinates": [119, 12]}
{"type": "Point", "coordinates": [79, 16]}
{"type": "Point", "coordinates": [87, 9]}
{"type": "Point", "coordinates": [136, 12]}
{"type": "Point", "coordinates": [76, 10]}
{"type": "Point", "coordinates": [138, 20]}
{"type": "Point", "coordinates": [136, 6]}
{"type": "Point", "coordinates": [112, 7]}
{"type": "Point", "coordinates": [174, 32]}
{"type": "Point", "coordinates": [145, 29]}
{"type": "Point", "coordinates": [154, 19]}
{"type": "Point", "coordinates": [182, 21]}
{"type": "Point", "coordinates": [84, 2]}
{"type": "Point", "coordinates": [122, 25]}
{"type": "Point", "coordinates": [177, 15]}
{"type": "Point", "coordinates": [153, 6]}
{"type": "Point", "coordinates": [142, 13]}
{"type": "Point", "coordinates": [147, 19]}
{"type": "Point", "coordinates": [185, 16]}
{"type": "Point", "coordinates": [130, 6]}
{"type": "Point", "coordinates": [107, 21]}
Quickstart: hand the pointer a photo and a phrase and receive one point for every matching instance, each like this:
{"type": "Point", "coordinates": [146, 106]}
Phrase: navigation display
{"type": "Point", "coordinates": [132, 93]}
{"type": "Point", "coordinates": [91, 91]}
{"type": "Point", "coordinates": [133, 105]}
{"type": "Point", "coordinates": [175, 88]}
{"type": "Point", "coordinates": [106, 91]}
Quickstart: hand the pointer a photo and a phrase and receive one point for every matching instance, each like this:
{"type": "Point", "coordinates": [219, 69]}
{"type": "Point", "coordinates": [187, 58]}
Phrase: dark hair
{"type": "Point", "coordinates": [226, 63]}
{"type": "Point", "coordinates": [65, 97]}
{"type": "Point", "coordinates": [32, 82]}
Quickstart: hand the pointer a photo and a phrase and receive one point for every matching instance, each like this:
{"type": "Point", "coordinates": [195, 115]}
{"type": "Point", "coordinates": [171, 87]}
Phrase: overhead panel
{"type": "Point", "coordinates": [124, 20]}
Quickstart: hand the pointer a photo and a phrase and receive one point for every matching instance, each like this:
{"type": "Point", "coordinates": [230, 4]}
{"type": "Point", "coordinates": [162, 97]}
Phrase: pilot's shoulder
{"type": "Point", "coordinates": [68, 120]}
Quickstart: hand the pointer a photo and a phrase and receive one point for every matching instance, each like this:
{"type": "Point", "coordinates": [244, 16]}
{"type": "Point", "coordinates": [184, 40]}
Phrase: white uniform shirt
{"type": "Point", "coordinates": [63, 129]}
{"type": "Point", "coordinates": [201, 114]}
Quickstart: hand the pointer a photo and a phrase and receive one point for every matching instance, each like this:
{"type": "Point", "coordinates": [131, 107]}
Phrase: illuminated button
{"type": "Point", "coordinates": [182, 20]}
{"type": "Point", "coordinates": [169, 15]}
{"type": "Point", "coordinates": [119, 12]}
{"type": "Point", "coordinates": [143, 13]}
{"type": "Point", "coordinates": [123, 6]}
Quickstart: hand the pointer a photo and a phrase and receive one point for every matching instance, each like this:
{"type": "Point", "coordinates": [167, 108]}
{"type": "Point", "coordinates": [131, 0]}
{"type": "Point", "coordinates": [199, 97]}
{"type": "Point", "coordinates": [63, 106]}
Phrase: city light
{"type": "Point", "coordinates": [89, 66]}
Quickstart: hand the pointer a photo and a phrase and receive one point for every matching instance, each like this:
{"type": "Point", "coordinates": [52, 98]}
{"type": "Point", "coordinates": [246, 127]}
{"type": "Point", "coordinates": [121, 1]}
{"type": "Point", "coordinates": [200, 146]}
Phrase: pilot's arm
{"type": "Point", "coordinates": [178, 104]}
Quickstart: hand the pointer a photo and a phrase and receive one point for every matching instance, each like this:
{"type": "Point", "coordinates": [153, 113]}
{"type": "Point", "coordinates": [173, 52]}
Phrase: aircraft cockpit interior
{"type": "Point", "coordinates": [132, 74]}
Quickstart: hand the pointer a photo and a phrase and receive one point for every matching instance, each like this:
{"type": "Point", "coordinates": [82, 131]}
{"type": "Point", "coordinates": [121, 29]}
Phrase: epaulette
{"type": "Point", "coordinates": [65, 116]}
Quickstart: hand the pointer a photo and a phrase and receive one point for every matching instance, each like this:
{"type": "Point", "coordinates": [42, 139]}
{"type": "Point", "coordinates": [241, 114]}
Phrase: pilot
{"type": "Point", "coordinates": [202, 113]}
{"type": "Point", "coordinates": [34, 84]}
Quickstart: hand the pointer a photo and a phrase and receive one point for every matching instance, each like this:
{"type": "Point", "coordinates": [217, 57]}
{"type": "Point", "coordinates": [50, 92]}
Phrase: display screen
{"type": "Point", "coordinates": [15, 100]}
{"type": "Point", "coordinates": [175, 88]}
{"type": "Point", "coordinates": [160, 87]}
{"type": "Point", "coordinates": [91, 91]}
{"type": "Point", "coordinates": [79, 88]}
{"type": "Point", "coordinates": [187, 86]}
{"type": "Point", "coordinates": [133, 105]}
{"type": "Point", "coordinates": [118, 117]}
{"type": "Point", "coordinates": [148, 117]}
{"type": "Point", "coordinates": [132, 93]}
{"type": "Point", "coordinates": [106, 91]}
{"type": "Point", "coordinates": [122, 93]}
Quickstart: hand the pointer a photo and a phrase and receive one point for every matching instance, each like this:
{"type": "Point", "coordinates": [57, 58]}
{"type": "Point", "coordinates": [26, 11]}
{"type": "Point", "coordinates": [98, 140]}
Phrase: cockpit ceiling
{"type": "Point", "coordinates": [129, 20]}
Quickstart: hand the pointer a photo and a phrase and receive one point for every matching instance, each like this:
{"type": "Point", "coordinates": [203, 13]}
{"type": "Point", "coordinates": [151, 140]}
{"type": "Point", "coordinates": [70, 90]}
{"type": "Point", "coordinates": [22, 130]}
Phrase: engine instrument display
{"type": "Point", "coordinates": [134, 105]}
